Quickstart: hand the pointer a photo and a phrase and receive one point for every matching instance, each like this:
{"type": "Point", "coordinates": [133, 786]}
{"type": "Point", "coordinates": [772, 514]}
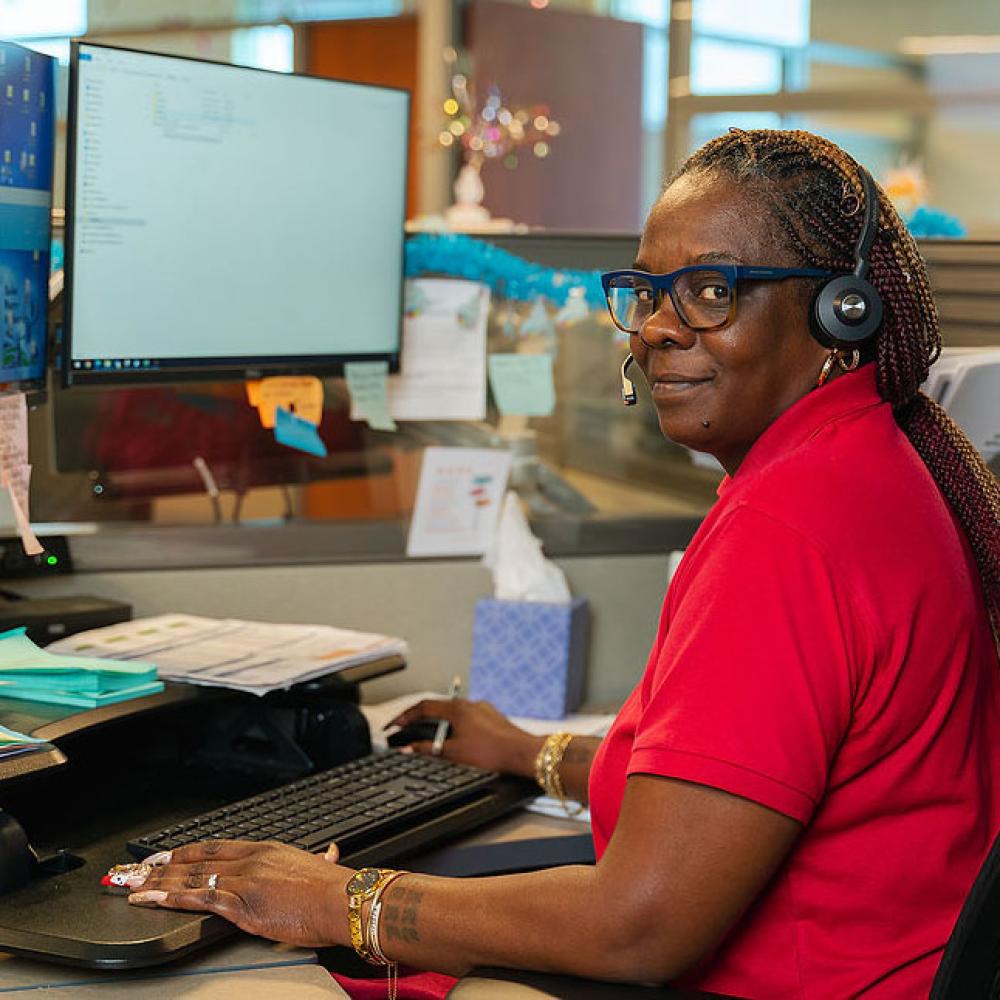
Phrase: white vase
{"type": "Point", "coordinates": [468, 210]}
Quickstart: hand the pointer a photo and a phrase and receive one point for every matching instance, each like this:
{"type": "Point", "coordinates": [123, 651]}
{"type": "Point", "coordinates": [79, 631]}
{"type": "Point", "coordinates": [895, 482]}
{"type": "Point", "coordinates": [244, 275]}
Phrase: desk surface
{"type": "Point", "coordinates": [241, 969]}
{"type": "Point", "coordinates": [244, 968]}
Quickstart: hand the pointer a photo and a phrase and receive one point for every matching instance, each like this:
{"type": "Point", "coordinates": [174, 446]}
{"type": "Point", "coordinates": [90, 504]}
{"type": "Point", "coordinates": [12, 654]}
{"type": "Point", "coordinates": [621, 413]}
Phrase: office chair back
{"type": "Point", "coordinates": [970, 967]}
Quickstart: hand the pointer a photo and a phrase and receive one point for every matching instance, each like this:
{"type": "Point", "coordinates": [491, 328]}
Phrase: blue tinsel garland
{"type": "Point", "coordinates": [926, 222]}
{"type": "Point", "coordinates": [461, 256]}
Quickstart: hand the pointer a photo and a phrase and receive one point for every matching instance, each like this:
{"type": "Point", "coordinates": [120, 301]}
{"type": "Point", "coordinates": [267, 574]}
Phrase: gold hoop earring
{"type": "Point", "coordinates": [824, 372]}
{"type": "Point", "coordinates": [850, 365]}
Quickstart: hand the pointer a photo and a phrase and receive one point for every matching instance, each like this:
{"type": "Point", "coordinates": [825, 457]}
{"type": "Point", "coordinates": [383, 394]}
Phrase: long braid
{"type": "Point", "coordinates": [814, 190]}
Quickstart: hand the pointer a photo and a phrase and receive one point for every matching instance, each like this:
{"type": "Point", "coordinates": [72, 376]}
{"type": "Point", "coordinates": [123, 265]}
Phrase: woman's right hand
{"type": "Point", "coordinates": [480, 735]}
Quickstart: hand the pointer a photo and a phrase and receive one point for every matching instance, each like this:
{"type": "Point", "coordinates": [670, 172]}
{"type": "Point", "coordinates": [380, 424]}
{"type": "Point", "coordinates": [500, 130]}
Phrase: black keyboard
{"type": "Point", "coordinates": [375, 808]}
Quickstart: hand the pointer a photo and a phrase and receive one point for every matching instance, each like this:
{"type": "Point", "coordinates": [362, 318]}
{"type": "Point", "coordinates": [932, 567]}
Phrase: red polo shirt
{"type": "Point", "coordinates": [824, 650]}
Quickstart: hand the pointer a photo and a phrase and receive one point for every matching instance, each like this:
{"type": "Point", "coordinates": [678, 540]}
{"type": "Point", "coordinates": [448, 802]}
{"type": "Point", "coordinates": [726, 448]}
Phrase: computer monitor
{"type": "Point", "coordinates": [226, 222]}
{"type": "Point", "coordinates": [27, 138]}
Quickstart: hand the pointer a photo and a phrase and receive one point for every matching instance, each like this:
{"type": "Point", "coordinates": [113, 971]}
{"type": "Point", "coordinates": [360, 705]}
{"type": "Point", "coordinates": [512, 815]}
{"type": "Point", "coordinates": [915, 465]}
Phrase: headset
{"type": "Point", "coordinates": [847, 309]}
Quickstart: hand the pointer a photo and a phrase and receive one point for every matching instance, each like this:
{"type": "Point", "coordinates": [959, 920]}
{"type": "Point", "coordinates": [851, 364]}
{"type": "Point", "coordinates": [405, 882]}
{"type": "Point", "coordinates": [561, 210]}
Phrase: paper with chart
{"type": "Point", "coordinates": [15, 472]}
{"type": "Point", "coordinates": [458, 501]}
{"type": "Point", "coordinates": [443, 362]}
{"type": "Point", "coordinates": [247, 656]}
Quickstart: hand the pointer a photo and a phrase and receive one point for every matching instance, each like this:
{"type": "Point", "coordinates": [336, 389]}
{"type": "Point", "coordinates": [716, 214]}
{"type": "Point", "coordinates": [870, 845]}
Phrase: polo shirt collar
{"type": "Point", "coordinates": [849, 393]}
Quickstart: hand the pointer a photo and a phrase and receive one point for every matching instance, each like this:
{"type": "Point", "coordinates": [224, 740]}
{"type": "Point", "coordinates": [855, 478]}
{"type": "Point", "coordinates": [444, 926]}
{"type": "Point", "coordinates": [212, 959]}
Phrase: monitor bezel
{"type": "Point", "coordinates": [35, 388]}
{"type": "Point", "coordinates": [215, 369]}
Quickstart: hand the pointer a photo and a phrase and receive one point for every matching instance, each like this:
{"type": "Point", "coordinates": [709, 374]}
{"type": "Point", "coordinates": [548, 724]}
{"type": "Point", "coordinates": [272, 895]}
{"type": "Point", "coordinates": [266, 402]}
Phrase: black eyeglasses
{"type": "Point", "coordinates": [704, 295]}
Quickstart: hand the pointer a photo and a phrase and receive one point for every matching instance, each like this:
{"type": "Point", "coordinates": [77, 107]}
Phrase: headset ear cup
{"type": "Point", "coordinates": [832, 313]}
{"type": "Point", "coordinates": [816, 327]}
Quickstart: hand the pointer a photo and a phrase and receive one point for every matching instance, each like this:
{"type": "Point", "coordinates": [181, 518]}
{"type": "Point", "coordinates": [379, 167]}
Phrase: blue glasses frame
{"type": "Point", "coordinates": [663, 284]}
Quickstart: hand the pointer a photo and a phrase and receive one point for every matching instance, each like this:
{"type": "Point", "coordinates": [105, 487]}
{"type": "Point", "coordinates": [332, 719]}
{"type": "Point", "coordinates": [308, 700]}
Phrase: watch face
{"type": "Point", "coordinates": [363, 880]}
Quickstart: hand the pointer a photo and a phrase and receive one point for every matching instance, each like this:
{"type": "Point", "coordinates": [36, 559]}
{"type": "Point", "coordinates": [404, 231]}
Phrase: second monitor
{"type": "Point", "coordinates": [225, 221]}
{"type": "Point", "coordinates": [27, 136]}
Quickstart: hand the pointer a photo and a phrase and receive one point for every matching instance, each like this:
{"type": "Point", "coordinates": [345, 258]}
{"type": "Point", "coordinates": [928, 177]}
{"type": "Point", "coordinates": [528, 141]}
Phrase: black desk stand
{"type": "Point", "coordinates": [121, 770]}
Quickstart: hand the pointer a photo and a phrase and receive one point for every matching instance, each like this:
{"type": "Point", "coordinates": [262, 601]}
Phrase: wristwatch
{"type": "Point", "coordinates": [360, 888]}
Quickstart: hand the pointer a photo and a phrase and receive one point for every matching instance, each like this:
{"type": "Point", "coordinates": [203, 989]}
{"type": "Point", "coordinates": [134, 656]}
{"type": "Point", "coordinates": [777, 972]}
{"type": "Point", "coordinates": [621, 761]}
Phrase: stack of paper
{"type": "Point", "coordinates": [34, 674]}
{"type": "Point", "coordinates": [247, 656]}
{"type": "Point", "coordinates": [15, 744]}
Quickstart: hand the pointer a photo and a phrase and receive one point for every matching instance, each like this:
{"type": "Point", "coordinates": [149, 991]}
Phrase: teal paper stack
{"type": "Point", "coordinates": [32, 674]}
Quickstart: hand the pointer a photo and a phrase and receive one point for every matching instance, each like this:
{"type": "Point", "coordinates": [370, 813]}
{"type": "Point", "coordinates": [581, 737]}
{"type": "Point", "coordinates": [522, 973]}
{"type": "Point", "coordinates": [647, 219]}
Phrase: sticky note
{"type": "Point", "coordinates": [522, 384]}
{"type": "Point", "coordinates": [301, 394]}
{"type": "Point", "coordinates": [537, 321]}
{"type": "Point", "coordinates": [366, 382]}
{"type": "Point", "coordinates": [294, 432]}
{"type": "Point", "coordinates": [15, 470]}
{"type": "Point", "coordinates": [15, 481]}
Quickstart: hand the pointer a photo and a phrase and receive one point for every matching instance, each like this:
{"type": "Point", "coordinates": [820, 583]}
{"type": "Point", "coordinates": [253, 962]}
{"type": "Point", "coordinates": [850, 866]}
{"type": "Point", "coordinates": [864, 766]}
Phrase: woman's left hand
{"type": "Point", "coordinates": [269, 889]}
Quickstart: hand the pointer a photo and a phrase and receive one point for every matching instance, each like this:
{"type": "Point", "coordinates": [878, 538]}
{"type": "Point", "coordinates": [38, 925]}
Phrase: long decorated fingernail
{"type": "Point", "coordinates": [161, 858]}
{"type": "Point", "coordinates": [123, 877]}
{"type": "Point", "coordinates": [151, 896]}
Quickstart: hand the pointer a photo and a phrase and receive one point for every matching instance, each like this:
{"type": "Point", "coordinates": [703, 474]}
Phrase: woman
{"type": "Point", "coordinates": [795, 799]}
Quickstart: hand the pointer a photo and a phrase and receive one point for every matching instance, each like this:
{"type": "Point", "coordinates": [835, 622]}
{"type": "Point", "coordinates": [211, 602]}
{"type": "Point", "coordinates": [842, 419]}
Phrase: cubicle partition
{"type": "Point", "coordinates": [301, 539]}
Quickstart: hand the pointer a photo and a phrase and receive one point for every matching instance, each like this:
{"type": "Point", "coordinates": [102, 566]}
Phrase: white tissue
{"type": "Point", "coordinates": [520, 571]}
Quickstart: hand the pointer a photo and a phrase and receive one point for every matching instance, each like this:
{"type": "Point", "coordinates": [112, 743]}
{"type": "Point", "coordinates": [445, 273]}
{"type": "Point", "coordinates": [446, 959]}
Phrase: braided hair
{"type": "Point", "coordinates": [814, 191]}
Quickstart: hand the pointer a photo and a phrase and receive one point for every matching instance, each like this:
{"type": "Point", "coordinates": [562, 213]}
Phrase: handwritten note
{"type": "Point", "coordinates": [15, 472]}
{"type": "Point", "coordinates": [301, 394]}
{"type": "Point", "coordinates": [522, 384]}
{"type": "Point", "coordinates": [366, 382]}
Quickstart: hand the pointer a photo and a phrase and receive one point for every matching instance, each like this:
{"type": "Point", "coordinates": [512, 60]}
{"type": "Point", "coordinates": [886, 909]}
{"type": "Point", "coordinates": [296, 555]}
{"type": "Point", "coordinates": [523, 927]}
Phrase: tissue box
{"type": "Point", "coordinates": [529, 657]}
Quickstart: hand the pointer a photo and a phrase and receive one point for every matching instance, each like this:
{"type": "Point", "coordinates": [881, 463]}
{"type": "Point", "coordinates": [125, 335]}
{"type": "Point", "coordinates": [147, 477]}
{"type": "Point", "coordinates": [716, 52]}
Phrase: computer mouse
{"type": "Point", "coordinates": [415, 732]}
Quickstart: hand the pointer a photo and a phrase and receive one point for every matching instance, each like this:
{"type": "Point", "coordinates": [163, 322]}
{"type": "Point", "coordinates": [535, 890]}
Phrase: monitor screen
{"type": "Point", "coordinates": [27, 138]}
{"type": "Point", "coordinates": [225, 222]}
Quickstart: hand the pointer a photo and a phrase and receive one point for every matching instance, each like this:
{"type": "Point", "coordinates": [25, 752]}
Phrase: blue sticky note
{"type": "Point", "coordinates": [294, 432]}
{"type": "Point", "coordinates": [522, 384]}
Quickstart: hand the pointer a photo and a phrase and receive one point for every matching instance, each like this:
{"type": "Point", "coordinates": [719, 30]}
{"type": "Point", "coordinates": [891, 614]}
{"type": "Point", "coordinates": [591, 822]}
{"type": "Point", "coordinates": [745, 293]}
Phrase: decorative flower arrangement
{"type": "Point", "coordinates": [494, 131]}
{"type": "Point", "coordinates": [490, 130]}
{"type": "Point", "coordinates": [906, 185]}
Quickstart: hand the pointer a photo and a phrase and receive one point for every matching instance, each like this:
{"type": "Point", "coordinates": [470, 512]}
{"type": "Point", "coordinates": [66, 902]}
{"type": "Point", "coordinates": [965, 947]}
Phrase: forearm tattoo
{"type": "Point", "coordinates": [578, 754]}
{"type": "Point", "coordinates": [399, 917]}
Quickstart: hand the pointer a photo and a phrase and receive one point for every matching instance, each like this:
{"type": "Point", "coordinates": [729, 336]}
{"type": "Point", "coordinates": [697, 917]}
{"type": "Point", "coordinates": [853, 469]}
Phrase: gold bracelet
{"type": "Point", "coordinates": [375, 942]}
{"type": "Point", "coordinates": [374, 939]}
{"type": "Point", "coordinates": [361, 887]}
{"type": "Point", "coordinates": [547, 765]}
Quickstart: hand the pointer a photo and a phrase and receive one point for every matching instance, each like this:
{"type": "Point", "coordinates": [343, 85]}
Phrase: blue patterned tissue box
{"type": "Point", "coordinates": [529, 657]}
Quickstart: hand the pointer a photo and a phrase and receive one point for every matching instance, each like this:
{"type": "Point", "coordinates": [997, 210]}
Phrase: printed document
{"type": "Point", "coordinates": [458, 501]}
{"type": "Point", "coordinates": [246, 656]}
{"type": "Point", "coordinates": [443, 361]}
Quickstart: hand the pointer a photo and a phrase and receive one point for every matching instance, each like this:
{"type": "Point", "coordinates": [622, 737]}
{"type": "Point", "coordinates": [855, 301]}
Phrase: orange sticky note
{"type": "Point", "coordinates": [299, 394]}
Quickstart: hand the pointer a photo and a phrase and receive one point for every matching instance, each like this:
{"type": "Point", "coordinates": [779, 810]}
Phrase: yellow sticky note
{"type": "Point", "coordinates": [299, 394]}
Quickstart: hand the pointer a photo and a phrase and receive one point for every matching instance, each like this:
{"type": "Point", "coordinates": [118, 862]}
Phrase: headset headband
{"type": "Point", "coordinates": [869, 227]}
